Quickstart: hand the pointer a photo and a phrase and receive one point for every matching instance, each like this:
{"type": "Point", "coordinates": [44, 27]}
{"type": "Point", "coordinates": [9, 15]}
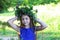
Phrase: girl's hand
{"type": "Point", "coordinates": [37, 19]}
{"type": "Point", "coordinates": [16, 17]}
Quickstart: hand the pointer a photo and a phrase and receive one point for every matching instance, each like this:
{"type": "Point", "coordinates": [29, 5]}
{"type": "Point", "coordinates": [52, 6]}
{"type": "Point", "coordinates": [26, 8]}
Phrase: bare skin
{"type": "Point", "coordinates": [26, 21]}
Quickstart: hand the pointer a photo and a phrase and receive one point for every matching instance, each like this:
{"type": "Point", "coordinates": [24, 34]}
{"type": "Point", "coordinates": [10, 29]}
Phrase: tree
{"type": "Point", "coordinates": [4, 4]}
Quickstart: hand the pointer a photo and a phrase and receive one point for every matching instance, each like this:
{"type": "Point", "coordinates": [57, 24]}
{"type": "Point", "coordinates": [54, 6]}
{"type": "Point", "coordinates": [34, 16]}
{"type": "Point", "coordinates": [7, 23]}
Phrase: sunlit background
{"type": "Point", "coordinates": [48, 11]}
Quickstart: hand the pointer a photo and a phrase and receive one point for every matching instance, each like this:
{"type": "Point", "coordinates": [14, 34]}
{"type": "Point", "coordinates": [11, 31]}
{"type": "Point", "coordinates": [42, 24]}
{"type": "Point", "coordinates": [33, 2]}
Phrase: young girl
{"type": "Point", "coordinates": [27, 29]}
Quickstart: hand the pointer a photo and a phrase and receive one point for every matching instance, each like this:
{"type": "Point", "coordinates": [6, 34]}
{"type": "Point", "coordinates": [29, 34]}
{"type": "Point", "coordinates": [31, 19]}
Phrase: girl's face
{"type": "Point", "coordinates": [25, 20]}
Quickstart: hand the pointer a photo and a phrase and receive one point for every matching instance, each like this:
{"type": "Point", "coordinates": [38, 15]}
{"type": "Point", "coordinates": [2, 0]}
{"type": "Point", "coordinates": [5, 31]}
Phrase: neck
{"type": "Point", "coordinates": [27, 26]}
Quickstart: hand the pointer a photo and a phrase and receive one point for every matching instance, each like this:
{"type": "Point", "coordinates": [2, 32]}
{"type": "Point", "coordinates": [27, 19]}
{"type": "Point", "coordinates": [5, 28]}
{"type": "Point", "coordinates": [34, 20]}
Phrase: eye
{"type": "Point", "coordinates": [22, 18]}
{"type": "Point", "coordinates": [26, 18]}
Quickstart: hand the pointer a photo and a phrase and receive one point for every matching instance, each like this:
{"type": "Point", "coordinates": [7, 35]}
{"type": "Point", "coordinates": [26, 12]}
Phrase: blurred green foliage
{"type": "Point", "coordinates": [5, 4]}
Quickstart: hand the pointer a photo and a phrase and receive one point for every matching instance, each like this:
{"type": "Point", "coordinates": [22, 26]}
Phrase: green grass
{"type": "Point", "coordinates": [48, 36]}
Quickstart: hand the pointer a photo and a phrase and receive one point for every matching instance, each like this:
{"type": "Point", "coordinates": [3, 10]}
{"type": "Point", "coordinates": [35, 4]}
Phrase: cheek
{"type": "Point", "coordinates": [29, 21]}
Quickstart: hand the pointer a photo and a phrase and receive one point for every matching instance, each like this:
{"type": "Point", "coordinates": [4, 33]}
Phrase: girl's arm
{"type": "Point", "coordinates": [43, 25]}
{"type": "Point", "coordinates": [15, 27]}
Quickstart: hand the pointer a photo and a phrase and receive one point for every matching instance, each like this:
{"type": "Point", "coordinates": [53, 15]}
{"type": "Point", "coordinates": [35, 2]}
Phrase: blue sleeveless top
{"type": "Point", "coordinates": [27, 34]}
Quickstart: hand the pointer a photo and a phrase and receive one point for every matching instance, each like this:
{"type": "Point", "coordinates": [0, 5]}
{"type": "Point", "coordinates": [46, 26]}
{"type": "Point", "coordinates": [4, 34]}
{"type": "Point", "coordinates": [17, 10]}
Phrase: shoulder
{"type": "Point", "coordinates": [33, 27]}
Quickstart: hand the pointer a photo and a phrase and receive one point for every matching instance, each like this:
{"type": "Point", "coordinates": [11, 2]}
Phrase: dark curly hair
{"type": "Point", "coordinates": [26, 11]}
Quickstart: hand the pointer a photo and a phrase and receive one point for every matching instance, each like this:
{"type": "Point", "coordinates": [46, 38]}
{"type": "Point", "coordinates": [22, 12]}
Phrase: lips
{"type": "Point", "coordinates": [26, 23]}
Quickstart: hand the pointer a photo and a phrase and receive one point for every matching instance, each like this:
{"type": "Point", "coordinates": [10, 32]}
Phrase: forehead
{"type": "Point", "coordinates": [25, 16]}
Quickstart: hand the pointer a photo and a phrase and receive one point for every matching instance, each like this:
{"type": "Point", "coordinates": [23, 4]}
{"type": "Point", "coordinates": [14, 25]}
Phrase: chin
{"type": "Point", "coordinates": [26, 24]}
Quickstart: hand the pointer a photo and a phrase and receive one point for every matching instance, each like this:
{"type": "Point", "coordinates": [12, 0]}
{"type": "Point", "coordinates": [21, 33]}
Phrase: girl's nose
{"type": "Point", "coordinates": [25, 20]}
